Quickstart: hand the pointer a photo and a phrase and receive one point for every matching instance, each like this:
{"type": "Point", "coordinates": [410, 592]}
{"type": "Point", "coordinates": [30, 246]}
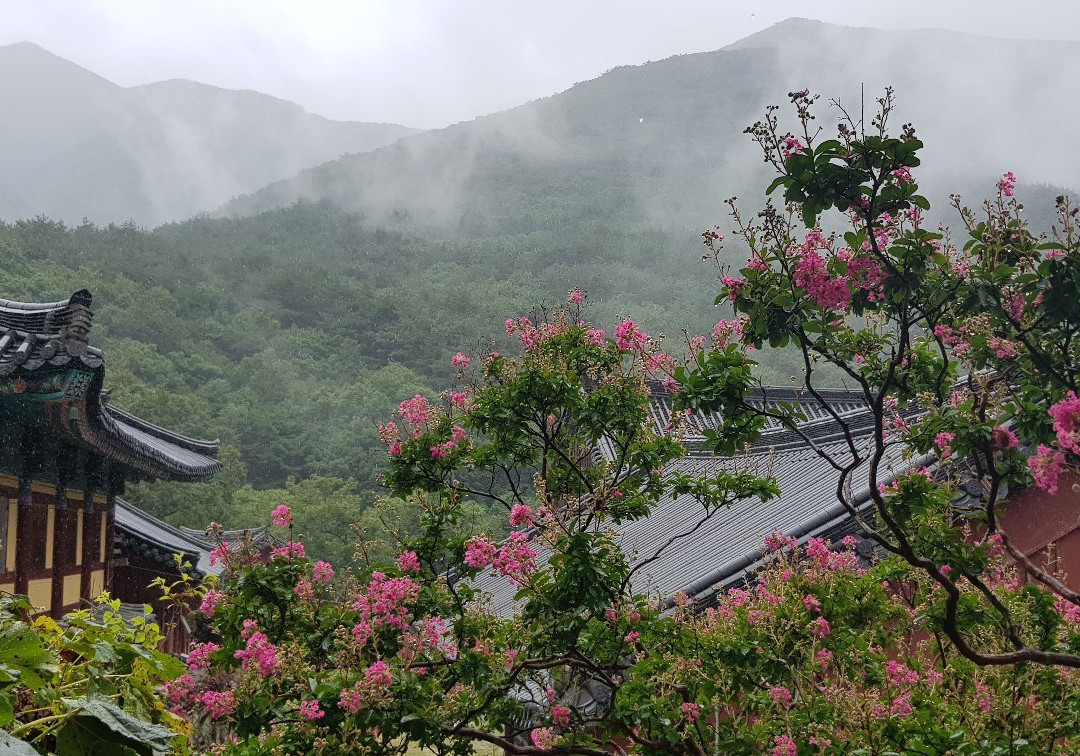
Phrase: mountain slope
{"type": "Point", "coordinates": [662, 143]}
{"type": "Point", "coordinates": [74, 145]}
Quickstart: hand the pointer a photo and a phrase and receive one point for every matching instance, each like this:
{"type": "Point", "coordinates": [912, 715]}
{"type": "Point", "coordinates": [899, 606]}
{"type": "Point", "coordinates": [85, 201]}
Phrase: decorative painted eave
{"type": "Point", "coordinates": [46, 359]}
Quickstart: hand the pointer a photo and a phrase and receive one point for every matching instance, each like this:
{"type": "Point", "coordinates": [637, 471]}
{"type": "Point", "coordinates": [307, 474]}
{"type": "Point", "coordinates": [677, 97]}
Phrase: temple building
{"type": "Point", "coordinates": [66, 455]}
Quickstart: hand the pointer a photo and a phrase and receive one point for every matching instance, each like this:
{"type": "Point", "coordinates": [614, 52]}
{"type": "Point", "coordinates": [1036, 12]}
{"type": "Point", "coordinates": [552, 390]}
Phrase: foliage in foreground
{"type": "Point", "coordinates": [92, 685]}
{"type": "Point", "coordinates": [819, 654]}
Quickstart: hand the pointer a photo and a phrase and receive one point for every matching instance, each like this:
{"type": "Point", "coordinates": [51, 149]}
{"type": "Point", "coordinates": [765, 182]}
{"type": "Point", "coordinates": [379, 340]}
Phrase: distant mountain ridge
{"type": "Point", "coordinates": [662, 143]}
{"type": "Point", "coordinates": [75, 145]}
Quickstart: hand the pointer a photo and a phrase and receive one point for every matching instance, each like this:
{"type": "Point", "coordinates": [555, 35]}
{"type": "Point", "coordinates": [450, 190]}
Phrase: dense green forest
{"type": "Point", "coordinates": [292, 334]}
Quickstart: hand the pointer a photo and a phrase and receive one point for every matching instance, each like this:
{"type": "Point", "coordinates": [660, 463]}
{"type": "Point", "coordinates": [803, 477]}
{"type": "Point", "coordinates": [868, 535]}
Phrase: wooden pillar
{"type": "Point", "coordinates": [93, 575]}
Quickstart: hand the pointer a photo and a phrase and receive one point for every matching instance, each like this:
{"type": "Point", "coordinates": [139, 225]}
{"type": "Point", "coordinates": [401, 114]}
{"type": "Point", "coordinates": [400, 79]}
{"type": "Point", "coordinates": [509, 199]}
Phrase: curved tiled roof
{"type": "Point", "coordinates": [722, 547]}
{"type": "Point", "coordinates": [39, 338]}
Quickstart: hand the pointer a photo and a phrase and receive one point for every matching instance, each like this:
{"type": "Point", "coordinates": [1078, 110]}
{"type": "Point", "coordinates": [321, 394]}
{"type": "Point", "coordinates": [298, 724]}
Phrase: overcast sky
{"type": "Point", "coordinates": [429, 63]}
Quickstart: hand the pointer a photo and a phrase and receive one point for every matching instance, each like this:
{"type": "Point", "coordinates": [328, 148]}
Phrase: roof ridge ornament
{"type": "Point", "coordinates": [75, 334]}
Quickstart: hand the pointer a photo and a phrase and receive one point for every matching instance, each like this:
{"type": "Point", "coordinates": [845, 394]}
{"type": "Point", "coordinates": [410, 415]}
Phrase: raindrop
{"type": "Point", "coordinates": [641, 120]}
{"type": "Point", "coordinates": [752, 15]}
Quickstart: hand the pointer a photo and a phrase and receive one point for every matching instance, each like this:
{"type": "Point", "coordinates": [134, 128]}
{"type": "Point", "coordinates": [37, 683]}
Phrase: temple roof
{"type": "Point", "coordinates": [45, 354]}
{"type": "Point", "coordinates": [142, 532]}
{"type": "Point", "coordinates": [723, 547]}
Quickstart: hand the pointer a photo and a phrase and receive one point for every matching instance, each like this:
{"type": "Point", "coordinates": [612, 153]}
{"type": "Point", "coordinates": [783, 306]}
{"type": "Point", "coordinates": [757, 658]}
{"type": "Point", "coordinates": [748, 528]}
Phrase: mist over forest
{"type": "Point", "coordinates": [282, 281]}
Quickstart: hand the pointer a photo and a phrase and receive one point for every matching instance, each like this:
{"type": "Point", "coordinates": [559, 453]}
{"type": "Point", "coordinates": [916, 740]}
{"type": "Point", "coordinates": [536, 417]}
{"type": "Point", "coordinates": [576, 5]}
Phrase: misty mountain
{"type": "Point", "coordinates": [661, 144]}
{"type": "Point", "coordinates": [75, 145]}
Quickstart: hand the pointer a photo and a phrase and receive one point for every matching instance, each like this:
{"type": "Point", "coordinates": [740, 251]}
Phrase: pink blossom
{"type": "Point", "coordinates": [260, 653]}
{"type": "Point", "coordinates": [629, 337]}
{"type": "Point", "coordinates": [945, 570]}
{"type": "Point", "coordinates": [575, 296]}
{"type": "Point", "coordinates": [282, 516]}
{"type": "Point", "coordinates": [785, 746]}
{"type": "Point", "coordinates": [416, 411]}
{"type": "Point", "coordinates": [361, 633]}
{"type": "Point", "coordinates": [811, 603]}
{"type": "Point", "coordinates": [395, 449]}
{"type": "Point", "coordinates": [595, 336]}
{"type": "Point", "coordinates": [219, 555]}
{"type": "Point", "coordinates": [323, 572]}
{"type": "Point", "coordinates": [210, 601]}
{"type": "Point", "coordinates": [407, 561]}
{"type": "Point", "coordinates": [902, 174]}
{"type": "Point", "coordinates": [350, 700]}
{"type": "Point", "coordinates": [820, 627]}
{"type": "Point", "coordinates": [515, 559]}
{"type": "Point", "coordinates": [1047, 466]}
{"type": "Point", "coordinates": [479, 553]}
{"type": "Point", "coordinates": [542, 737]}
{"type": "Point", "coordinates": [901, 705]}
{"type": "Point", "coordinates": [310, 710]}
{"type": "Point", "coordinates": [1066, 415]}
{"type": "Point", "coordinates": [218, 704]}
{"type": "Point", "coordinates": [823, 657]}
{"type": "Point", "coordinates": [850, 541]}
{"type": "Point", "coordinates": [632, 636]}
{"type": "Point", "coordinates": [304, 589]}
{"type": "Point", "coordinates": [691, 711]}
{"type": "Point", "coordinates": [457, 399]}
{"type": "Point", "coordinates": [781, 695]}
{"type": "Point", "coordinates": [734, 286]}
{"type": "Point", "coordinates": [822, 289]}
{"type": "Point", "coordinates": [521, 515]}
{"type": "Point", "coordinates": [290, 551]}
{"type": "Point", "coordinates": [199, 656]}
{"type": "Point", "coordinates": [1007, 184]}
{"type": "Point", "coordinates": [379, 674]}
{"type": "Point", "coordinates": [792, 146]}
{"type": "Point", "coordinates": [560, 715]}
{"type": "Point", "coordinates": [942, 442]}
{"type": "Point", "coordinates": [460, 360]}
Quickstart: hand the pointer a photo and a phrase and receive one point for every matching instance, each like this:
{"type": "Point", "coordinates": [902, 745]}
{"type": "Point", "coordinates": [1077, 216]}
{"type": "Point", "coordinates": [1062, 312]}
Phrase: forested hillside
{"type": "Point", "coordinates": [661, 144]}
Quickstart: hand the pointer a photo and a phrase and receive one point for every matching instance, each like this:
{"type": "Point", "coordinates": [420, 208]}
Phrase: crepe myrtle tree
{"type": "Point", "coordinates": [978, 336]}
{"type": "Point", "coordinates": [819, 655]}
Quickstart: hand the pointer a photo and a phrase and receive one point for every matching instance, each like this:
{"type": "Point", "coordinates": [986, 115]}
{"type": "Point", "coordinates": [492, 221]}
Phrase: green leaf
{"type": "Point", "coordinates": [100, 726]}
{"type": "Point", "coordinates": [12, 746]}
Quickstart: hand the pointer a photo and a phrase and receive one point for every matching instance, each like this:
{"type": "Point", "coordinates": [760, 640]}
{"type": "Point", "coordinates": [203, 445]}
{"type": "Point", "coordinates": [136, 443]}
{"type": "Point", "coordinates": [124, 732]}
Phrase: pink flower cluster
{"type": "Point", "coordinates": [259, 651]}
{"type": "Point", "coordinates": [575, 297]}
{"type": "Point", "coordinates": [629, 337]}
{"type": "Point", "coordinates": [781, 695]}
{"type": "Point", "coordinates": [417, 411]}
{"type": "Point", "coordinates": [387, 601]}
{"type": "Point", "coordinates": [560, 715]}
{"type": "Point", "coordinates": [1007, 184]}
{"type": "Point", "coordinates": [1047, 466]}
{"type": "Point", "coordinates": [785, 746]}
{"type": "Point", "coordinates": [1003, 438]}
{"type": "Point", "coordinates": [322, 572]}
{"type": "Point", "coordinates": [691, 711]}
{"type": "Point", "coordinates": [210, 601]}
{"type": "Point", "coordinates": [515, 559]}
{"type": "Point", "coordinates": [289, 552]}
{"type": "Point", "coordinates": [310, 710]}
{"type": "Point", "coordinates": [457, 436]}
{"type": "Point", "coordinates": [282, 516]}
{"type": "Point", "coordinates": [218, 703]}
{"type": "Point", "coordinates": [791, 146]}
{"type": "Point", "coordinates": [822, 289]}
{"type": "Point", "coordinates": [407, 561]}
{"type": "Point", "coordinates": [943, 441]}
{"type": "Point", "coordinates": [1066, 416]}
{"type": "Point", "coordinates": [460, 361]}
{"type": "Point", "coordinates": [521, 515]}
{"type": "Point", "coordinates": [199, 655]}
{"type": "Point", "coordinates": [595, 336]}
{"type": "Point", "coordinates": [734, 286]}
{"type": "Point", "coordinates": [479, 552]}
